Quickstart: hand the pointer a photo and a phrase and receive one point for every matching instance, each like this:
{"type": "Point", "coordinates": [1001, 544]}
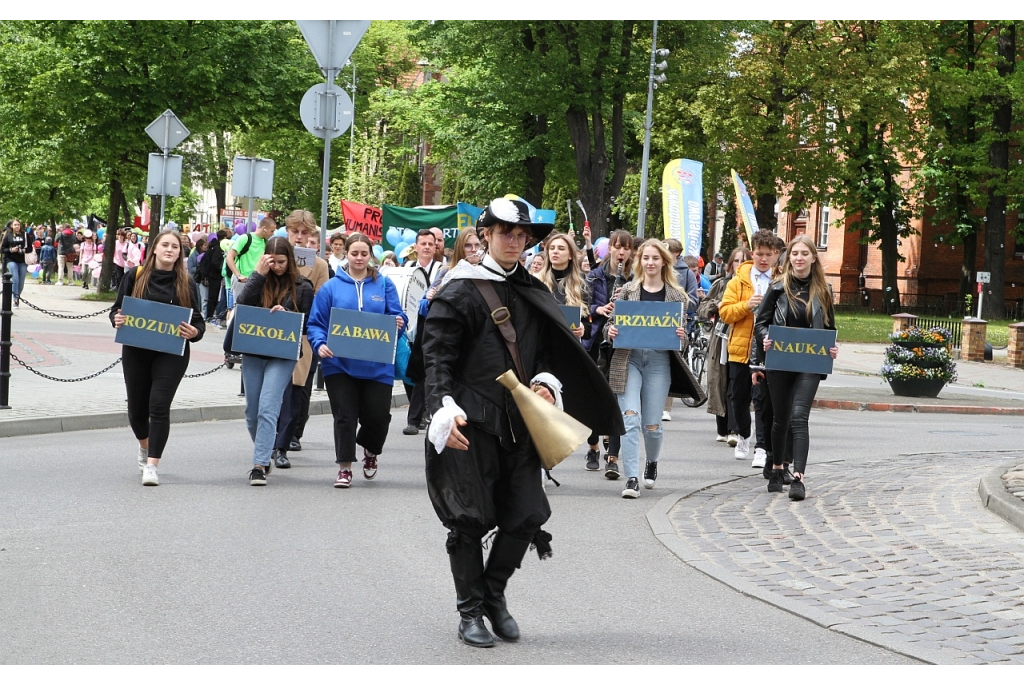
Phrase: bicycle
{"type": "Point", "coordinates": [697, 357]}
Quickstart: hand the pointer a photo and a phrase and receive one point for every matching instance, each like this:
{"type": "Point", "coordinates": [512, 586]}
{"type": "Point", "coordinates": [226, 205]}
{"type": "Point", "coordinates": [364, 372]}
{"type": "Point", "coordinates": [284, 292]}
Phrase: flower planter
{"type": "Point", "coordinates": [916, 387]}
{"type": "Point", "coordinates": [911, 345]}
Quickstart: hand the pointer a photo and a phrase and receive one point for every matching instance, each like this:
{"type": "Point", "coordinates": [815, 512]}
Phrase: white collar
{"type": "Point", "coordinates": [488, 261]}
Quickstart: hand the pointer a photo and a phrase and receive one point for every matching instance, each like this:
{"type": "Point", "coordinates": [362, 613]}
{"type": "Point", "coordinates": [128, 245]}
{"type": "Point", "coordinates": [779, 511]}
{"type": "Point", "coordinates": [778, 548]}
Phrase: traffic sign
{"type": "Point", "coordinates": [252, 177]}
{"type": "Point", "coordinates": [163, 180]}
{"type": "Point", "coordinates": [167, 131]}
{"type": "Point", "coordinates": [332, 41]}
{"type": "Point", "coordinates": [326, 110]}
{"type": "Point", "coordinates": [984, 277]}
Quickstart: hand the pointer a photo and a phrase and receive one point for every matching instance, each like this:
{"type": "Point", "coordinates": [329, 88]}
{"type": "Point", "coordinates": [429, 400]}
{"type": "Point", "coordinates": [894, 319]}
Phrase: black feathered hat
{"type": "Point", "coordinates": [514, 212]}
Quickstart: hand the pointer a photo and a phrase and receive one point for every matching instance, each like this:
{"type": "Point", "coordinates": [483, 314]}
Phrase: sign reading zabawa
{"type": "Point", "coordinates": [153, 325]}
{"type": "Point", "coordinates": [804, 350]}
{"type": "Point", "coordinates": [270, 334]}
{"type": "Point", "coordinates": [648, 325]}
{"type": "Point", "coordinates": [362, 335]}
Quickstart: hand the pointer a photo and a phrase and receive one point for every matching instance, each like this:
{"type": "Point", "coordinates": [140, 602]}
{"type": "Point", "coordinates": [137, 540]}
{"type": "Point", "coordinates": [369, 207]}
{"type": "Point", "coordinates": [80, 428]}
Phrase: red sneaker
{"type": "Point", "coordinates": [344, 479]}
{"type": "Point", "coordinates": [369, 465]}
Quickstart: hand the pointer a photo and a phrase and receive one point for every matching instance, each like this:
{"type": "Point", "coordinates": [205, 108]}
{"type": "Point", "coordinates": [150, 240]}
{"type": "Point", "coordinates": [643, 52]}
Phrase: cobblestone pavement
{"type": "Point", "coordinates": [902, 551]}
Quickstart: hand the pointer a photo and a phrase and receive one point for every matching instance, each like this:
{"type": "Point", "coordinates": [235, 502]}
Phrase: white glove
{"type": "Point", "coordinates": [442, 423]}
{"type": "Point", "coordinates": [552, 384]}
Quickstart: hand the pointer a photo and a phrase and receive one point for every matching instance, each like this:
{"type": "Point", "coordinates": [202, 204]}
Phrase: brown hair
{"type": "Point", "coordinates": [354, 238]}
{"type": "Point", "coordinates": [763, 238]}
{"type": "Point", "coordinates": [819, 286]}
{"type": "Point", "coordinates": [181, 278]}
{"type": "Point", "coordinates": [300, 216]}
{"type": "Point", "coordinates": [674, 246]}
{"type": "Point", "coordinates": [620, 238]}
{"type": "Point", "coordinates": [729, 268]}
{"type": "Point", "coordinates": [459, 251]}
{"type": "Point", "coordinates": [275, 288]}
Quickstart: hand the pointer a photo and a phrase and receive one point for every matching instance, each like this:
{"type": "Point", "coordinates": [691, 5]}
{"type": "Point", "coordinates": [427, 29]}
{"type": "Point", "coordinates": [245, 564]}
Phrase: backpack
{"type": "Point", "coordinates": [248, 244]}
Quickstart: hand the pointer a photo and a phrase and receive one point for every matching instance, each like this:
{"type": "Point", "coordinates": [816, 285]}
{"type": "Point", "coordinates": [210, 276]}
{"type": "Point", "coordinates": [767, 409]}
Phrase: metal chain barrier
{"type": "Point", "coordinates": [64, 316]}
{"type": "Point", "coordinates": [65, 380]}
{"type": "Point", "coordinates": [206, 373]}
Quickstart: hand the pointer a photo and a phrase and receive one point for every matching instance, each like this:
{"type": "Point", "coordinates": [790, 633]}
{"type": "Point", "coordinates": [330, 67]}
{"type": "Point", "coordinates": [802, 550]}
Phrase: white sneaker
{"type": "Point", "coordinates": [666, 416]}
{"type": "Point", "coordinates": [143, 458]}
{"type": "Point", "coordinates": [760, 457]}
{"type": "Point", "coordinates": [721, 438]}
{"type": "Point", "coordinates": [149, 476]}
{"type": "Point", "coordinates": [732, 439]}
{"type": "Point", "coordinates": [742, 450]}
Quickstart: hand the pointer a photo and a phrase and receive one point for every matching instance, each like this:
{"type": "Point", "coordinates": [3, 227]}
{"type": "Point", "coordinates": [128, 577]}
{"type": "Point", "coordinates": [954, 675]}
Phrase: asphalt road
{"type": "Point", "coordinates": [205, 569]}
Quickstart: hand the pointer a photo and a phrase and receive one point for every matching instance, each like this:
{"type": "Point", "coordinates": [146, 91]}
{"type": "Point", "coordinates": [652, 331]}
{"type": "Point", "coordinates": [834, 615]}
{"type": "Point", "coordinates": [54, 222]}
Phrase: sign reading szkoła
{"type": "Point", "coordinates": [269, 334]}
{"type": "Point", "coordinates": [572, 315]}
{"type": "Point", "coordinates": [362, 335]}
{"type": "Point", "coordinates": [648, 325]}
{"type": "Point", "coordinates": [153, 325]}
{"type": "Point", "coordinates": [804, 350]}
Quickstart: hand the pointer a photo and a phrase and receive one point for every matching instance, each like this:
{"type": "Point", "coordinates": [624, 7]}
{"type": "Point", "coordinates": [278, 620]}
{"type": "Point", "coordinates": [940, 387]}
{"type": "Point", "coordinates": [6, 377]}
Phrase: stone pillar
{"type": "Point", "coordinates": [901, 322]}
{"type": "Point", "coordinates": [972, 342]}
{"type": "Point", "coordinates": [1015, 349]}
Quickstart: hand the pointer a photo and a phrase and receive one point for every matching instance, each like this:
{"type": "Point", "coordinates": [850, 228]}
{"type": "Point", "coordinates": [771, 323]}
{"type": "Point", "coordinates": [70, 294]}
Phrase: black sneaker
{"type": "Point", "coordinates": [632, 490]}
{"type": "Point", "coordinates": [650, 474]}
{"type": "Point", "coordinates": [611, 469]}
{"type": "Point", "coordinates": [422, 425]}
{"type": "Point", "coordinates": [787, 475]}
{"type": "Point", "coordinates": [775, 481]}
{"type": "Point", "coordinates": [767, 470]}
{"type": "Point", "coordinates": [295, 445]}
{"type": "Point", "coordinates": [593, 460]}
{"type": "Point", "coordinates": [411, 429]}
{"type": "Point", "coordinates": [280, 458]}
{"type": "Point", "coordinates": [257, 476]}
{"type": "Point", "coordinates": [797, 491]}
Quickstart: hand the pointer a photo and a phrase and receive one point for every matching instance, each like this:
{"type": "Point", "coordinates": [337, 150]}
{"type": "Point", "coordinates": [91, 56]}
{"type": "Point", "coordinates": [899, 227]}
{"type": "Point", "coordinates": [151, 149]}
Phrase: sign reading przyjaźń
{"type": "Point", "coordinates": [268, 334]}
{"type": "Point", "coordinates": [648, 325]}
{"type": "Point", "coordinates": [804, 350]}
{"type": "Point", "coordinates": [153, 325]}
{"type": "Point", "coordinates": [362, 335]}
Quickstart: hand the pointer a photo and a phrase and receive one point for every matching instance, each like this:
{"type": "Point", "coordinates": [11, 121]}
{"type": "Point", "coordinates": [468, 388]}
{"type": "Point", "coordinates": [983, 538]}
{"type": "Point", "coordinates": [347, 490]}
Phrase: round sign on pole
{"type": "Point", "coordinates": [326, 111]}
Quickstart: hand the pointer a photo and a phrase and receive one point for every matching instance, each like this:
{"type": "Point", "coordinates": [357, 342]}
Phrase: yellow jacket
{"type": "Point", "coordinates": [734, 310]}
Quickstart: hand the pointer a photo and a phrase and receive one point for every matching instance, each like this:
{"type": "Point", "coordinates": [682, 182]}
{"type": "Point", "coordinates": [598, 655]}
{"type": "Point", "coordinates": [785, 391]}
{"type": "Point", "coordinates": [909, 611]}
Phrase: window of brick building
{"type": "Point", "coordinates": [823, 221]}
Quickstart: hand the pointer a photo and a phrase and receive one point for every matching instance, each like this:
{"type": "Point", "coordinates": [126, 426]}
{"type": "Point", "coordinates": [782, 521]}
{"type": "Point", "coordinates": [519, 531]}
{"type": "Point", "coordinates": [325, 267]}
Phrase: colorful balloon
{"type": "Point", "coordinates": [394, 236]}
{"type": "Point", "coordinates": [409, 236]}
{"type": "Point", "coordinates": [601, 249]}
{"type": "Point", "coordinates": [281, 233]}
{"type": "Point", "coordinates": [378, 252]}
{"type": "Point", "coordinates": [240, 229]}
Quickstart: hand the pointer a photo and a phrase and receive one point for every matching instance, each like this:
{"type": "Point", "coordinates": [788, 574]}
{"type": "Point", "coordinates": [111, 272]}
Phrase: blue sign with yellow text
{"type": "Point", "coordinates": [266, 333]}
{"type": "Point", "coordinates": [153, 325]}
{"type": "Point", "coordinates": [572, 315]}
{"type": "Point", "coordinates": [362, 335]}
{"type": "Point", "coordinates": [648, 325]}
{"type": "Point", "coordinates": [804, 350]}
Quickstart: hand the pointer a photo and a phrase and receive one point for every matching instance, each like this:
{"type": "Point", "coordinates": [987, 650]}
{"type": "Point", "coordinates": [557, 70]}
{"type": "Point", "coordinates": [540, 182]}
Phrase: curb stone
{"type": "Point", "coordinates": [661, 526]}
{"type": "Point", "coordinates": [997, 500]}
{"type": "Point", "coordinates": [917, 408]}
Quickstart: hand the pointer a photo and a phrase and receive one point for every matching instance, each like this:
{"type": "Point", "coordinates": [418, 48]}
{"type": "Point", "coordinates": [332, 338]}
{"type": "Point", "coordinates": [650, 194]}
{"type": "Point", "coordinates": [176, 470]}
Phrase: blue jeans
{"type": "Point", "coordinates": [647, 386]}
{"type": "Point", "coordinates": [265, 382]}
{"type": "Point", "coordinates": [18, 275]}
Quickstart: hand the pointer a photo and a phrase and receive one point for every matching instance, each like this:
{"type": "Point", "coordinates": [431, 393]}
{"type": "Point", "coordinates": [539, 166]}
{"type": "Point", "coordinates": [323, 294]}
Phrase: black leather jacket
{"type": "Point", "coordinates": [773, 311]}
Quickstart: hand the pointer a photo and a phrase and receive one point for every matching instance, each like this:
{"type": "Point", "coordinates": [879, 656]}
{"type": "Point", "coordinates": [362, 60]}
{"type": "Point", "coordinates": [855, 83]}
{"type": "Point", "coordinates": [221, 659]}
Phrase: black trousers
{"type": "Point", "coordinates": [151, 379]}
{"type": "Point", "coordinates": [417, 403]}
{"type": "Point", "coordinates": [213, 296]}
{"type": "Point", "coordinates": [792, 395]}
{"type": "Point", "coordinates": [739, 398]}
{"type": "Point", "coordinates": [307, 392]}
{"type": "Point", "coordinates": [763, 416]}
{"type": "Point", "coordinates": [291, 404]}
{"type": "Point", "coordinates": [358, 402]}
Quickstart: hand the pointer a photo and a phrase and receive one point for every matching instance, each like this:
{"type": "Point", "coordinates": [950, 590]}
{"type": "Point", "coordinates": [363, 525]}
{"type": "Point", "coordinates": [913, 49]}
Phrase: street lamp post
{"type": "Point", "coordinates": [652, 84]}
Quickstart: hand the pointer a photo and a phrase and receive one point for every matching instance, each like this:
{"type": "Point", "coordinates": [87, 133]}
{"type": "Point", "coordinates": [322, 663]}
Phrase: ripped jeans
{"type": "Point", "coordinates": [642, 403]}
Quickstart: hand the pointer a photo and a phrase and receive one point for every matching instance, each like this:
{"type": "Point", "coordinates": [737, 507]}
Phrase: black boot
{"type": "Point", "coordinates": [505, 557]}
{"type": "Point", "coordinates": [467, 561]}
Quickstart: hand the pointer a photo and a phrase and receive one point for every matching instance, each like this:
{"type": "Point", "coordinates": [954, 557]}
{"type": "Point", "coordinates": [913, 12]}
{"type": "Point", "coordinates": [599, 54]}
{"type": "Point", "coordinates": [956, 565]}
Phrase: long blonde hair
{"type": "Point", "coordinates": [818, 290]}
{"type": "Point", "coordinates": [668, 271]}
{"type": "Point", "coordinates": [459, 251]}
{"type": "Point", "coordinates": [181, 278]}
{"type": "Point", "coordinates": [574, 282]}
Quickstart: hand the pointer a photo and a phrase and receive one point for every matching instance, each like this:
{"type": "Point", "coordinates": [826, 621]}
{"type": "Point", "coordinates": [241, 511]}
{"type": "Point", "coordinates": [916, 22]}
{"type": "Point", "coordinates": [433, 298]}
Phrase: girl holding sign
{"type": "Point", "coordinates": [564, 278]}
{"type": "Point", "coordinates": [798, 298]}
{"type": "Point", "coordinates": [275, 284]}
{"type": "Point", "coordinates": [151, 378]}
{"type": "Point", "coordinates": [643, 379]}
{"type": "Point", "coordinates": [359, 391]}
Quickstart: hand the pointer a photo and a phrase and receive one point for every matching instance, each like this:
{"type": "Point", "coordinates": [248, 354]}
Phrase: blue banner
{"type": "Point", "coordinates": [361, 335]}
{"type": "Point", "coordinates": [745, 206]}
{"type": "Point", "coordinates": [269, 334]}
{"type": "Point", "coordinates": [683, 203]}
{"type": "Point", "coordinates": [572, 315]}
{"type": "Point", "coordinates": [804, 350]}
{"type": "Point", "coordinates": [648, 325]}
{"type": "Point", "coordinates": [153, 325]}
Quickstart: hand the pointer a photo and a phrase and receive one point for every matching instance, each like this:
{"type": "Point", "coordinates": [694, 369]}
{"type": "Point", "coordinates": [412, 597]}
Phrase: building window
{"type": "Point", "coordinates": [823, 227]}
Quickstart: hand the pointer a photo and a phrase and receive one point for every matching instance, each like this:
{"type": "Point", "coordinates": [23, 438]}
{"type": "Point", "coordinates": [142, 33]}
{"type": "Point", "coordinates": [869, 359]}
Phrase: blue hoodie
{"type": "Point", "coordinates": [378, 296]}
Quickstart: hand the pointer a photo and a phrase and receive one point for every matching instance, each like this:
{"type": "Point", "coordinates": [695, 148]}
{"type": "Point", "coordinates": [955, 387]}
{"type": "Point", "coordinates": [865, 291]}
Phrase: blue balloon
{"type": "Point", "coordinates": [409, 236]}
{"type": "Point", "coordinates": [399, 247]}
{"type": "Point", "coordinates": [394, 236]}
{"type": "Point", "coordinates": [281, 233]}
{"type": "Point", "coordinates": [100, 232]}
{"type": "Point", "coordinates": [378, 252]}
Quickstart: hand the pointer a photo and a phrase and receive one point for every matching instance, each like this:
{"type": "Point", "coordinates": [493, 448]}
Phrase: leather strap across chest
{"type": "Point", "coordinates": [502, 318]}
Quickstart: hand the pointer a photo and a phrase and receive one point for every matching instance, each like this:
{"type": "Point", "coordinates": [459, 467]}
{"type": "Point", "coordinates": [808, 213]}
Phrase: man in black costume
{"type": "Point", "coordinates": [482, 468]}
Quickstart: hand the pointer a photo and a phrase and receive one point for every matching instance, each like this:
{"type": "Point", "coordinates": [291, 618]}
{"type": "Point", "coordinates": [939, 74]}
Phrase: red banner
{"type": "Point", "coordinates": [362, 219]}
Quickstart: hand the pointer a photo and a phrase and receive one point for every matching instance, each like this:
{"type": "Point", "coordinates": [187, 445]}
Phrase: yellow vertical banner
{"type": "Point", "coordinates": [744, 206]}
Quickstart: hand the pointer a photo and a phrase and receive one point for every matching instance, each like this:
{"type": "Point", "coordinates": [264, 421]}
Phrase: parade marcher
{"type": "Point", "coordinates": [245, 252]}
{"type": "Point", "coordinates": [14, 246]}
{"type": "Point", "coordinates": [86, 255]}
{"type": "Point", "coordinates": [301, 227]}
{"type": "Point", "coordinates": [482, 468]}
{"type": "Point", "coordinates": [66, 243]}
{"type": "Point", "coordinates": [120, 250]}
{"type": "Point", "coordinates": [641, 378]}
{"type": "Point", "coordinates": [799, 298]}
{"type": "Point", "coordinates": [715, 269]}
{"type": "Point", "coordinates": [742, 297]}
{"type": "Point", "coordinates": [151, 378]}
{"type": "Point", "coordinates": [274, 284]}
{"type": "Point", "coordinates": [209, 270]}
{"type": "Point", "coordinates": [359, 391]}
{"type": "Point", "coordinates": [563, 277]}
{"type": "Point", "coordinates": [426, 247]}
{"type": "Point", "coordinates": [717, 362]}
{"type": "Point", "coordinates": [48, 260]}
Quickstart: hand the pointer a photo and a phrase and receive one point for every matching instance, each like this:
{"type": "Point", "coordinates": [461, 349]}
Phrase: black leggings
{"type": "Point", "coordinates": [151, 379]}
{"type": "Point", "coordinates": [212, 297]}
{"type": "Point", "coordinates": [358, 401]}
{"type": "Point", "coordinates": [792, 394]}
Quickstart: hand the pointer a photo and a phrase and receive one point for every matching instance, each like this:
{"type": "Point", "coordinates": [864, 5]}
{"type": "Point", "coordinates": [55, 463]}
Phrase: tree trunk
{"type": "Point", "coordinates": [155, 203]}
{"type": "Point", "coordinates": [535, 126]}
{"type": "Point", "coordinates": [963, 205]}
{"type": "Point", "coordinates": [970, 256]}
{"type": "Point", "coordinates": [999, 160]}
{"type": "Point", "coordinates": [110, 238]}
{"type": "Point", "coordinates": [889, 245]}
{"type": "Point", "coordinates": [127, 212]}
{"type": "Point", "coordinates": [591, 166]}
